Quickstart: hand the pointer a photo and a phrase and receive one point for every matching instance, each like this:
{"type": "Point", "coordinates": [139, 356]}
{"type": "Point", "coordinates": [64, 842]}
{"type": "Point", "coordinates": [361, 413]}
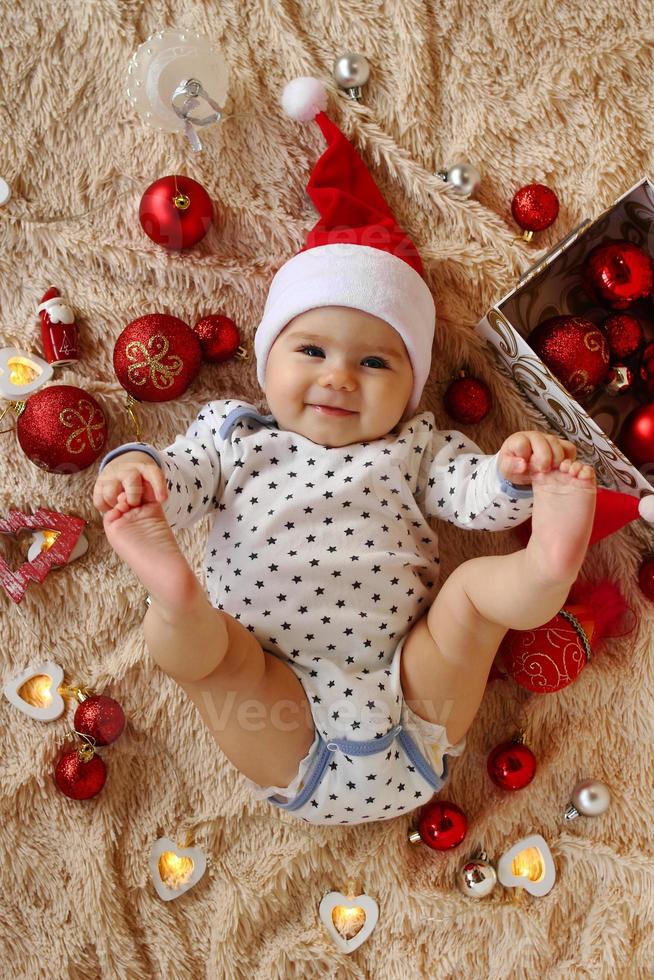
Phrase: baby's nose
{"type": "Point", "coordinates": [338, 378]}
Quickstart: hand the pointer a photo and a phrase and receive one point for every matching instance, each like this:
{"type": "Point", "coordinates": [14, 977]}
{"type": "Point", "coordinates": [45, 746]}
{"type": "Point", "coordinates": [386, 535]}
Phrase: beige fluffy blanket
{"type": "Point", "coordinates": [529, 90]}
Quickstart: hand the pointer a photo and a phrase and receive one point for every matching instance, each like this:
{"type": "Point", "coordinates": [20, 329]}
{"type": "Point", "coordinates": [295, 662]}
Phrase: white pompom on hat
{"type": "Point", "coordinates": [355, 256]}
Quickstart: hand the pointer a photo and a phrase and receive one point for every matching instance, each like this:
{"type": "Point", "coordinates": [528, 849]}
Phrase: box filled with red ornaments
{"type": "Point", "coordinates": [577, 336]}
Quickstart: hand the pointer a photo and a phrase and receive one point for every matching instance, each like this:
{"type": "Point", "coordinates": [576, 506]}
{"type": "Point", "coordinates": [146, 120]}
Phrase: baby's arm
{"type": "Point", "coordinates": [465, 486]}
{"type": "Point", "coordinates": [191, 467]}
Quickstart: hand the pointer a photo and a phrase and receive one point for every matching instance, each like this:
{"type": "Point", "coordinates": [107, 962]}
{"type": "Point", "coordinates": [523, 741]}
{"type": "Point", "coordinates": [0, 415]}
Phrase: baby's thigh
{"type": "Point", "coordinates": [258, 713]}
{"type": "Point", "coordinates": [446, 658]}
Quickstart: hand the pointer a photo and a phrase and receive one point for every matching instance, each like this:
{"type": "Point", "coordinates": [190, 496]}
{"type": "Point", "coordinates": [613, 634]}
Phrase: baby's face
{"type": "Point", "coordinates": [338, 357]}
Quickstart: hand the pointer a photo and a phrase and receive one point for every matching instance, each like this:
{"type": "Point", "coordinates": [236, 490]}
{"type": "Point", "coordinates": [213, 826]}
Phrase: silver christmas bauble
{"type": "Point", "coordinates": [590, 797]}
{"type": "Point", "coordinates": [463, 178]}
{"type": "Point", "coordinates": [477, 878]}
{"type": "Point", "coordinates": [351, 72]}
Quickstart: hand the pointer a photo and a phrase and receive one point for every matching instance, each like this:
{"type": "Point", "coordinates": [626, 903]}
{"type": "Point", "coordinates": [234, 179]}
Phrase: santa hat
{"type": "Point", "coordinates": [613, 511]}
{"type": "Point", "coordinates": [355, 256]}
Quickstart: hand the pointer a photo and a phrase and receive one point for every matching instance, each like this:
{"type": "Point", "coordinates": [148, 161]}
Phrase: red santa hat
{"type": "Point", "coordinates": [613, 511]}
{"type": "Point", "coordinates": [355, 256]}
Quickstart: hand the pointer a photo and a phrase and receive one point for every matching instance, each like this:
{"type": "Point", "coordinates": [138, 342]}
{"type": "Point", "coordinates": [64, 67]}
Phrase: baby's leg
{"type": "Point", "coordinates": [252, 703]}
{"type": "Point", "coordinates": [447, 657]}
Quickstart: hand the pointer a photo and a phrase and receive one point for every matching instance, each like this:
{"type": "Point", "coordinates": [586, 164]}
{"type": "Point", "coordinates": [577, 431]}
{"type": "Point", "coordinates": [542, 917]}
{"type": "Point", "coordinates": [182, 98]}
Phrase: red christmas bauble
{"type": "Point", "coordinates": [550, 657]}
{"type": "Point", "coordinates": [646, 370]}
{"type": "Point", "coordinates": [535, 207]}
{"type": "Point", "coordinates": [636, 439]}
{"type": "Point", "coordinates": [575, 351]}
{"type": "Point", "coordinates": [62, 429]}
{"type": "Point", "coordinates": [646, 578]}
{"type": "Point", "coordinates": [77, 778]}
{"type": "Point", "coordinates": [442, 825]}
{"type": "Point", "coordinates": [156, 357]}
{"type": "Point", "coordinates": [176, 212]}
{"type": "Point", "coordinates": [624, 335]}
{"type": "Point", "coordinates": [511, 765]}
{"type": "Point", "coordinates": [467, 400]}
{"type": "Point", "coordinates": [218, 336]}
{"type": "Point", "coordinates": [618, 273]}
{"type": "Point", "coordinates": [101, 718]}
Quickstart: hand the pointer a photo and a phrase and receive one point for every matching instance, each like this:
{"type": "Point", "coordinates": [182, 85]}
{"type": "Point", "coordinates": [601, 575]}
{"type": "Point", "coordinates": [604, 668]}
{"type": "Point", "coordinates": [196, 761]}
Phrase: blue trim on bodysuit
{"type": "Point", "coordinates": [244, 411]}
{"type": "Point", "coordinates": [370, 747]}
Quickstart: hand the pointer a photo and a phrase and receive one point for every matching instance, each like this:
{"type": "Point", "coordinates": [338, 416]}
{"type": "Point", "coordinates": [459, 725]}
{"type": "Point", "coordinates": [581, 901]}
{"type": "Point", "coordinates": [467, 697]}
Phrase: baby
{"type": "Point", "coordinates": [321, 655]}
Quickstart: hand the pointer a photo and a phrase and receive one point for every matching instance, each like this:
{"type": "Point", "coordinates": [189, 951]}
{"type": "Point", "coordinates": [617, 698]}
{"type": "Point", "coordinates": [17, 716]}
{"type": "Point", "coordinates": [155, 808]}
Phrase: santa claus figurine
{"type": "Point", "coordinates": [58, 329]}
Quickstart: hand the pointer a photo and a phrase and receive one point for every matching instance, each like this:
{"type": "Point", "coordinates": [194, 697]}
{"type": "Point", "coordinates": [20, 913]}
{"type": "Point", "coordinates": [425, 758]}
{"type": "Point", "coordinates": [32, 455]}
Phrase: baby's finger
{"type": "Point", "coordinates": [133, 486]}
{"type": "Point", "coordinates": [154, 485]}
{"type": "Point", "coordinates": [541, 460]}
{"type": "Point", "coordinates": [557, 450]}
{"type": "Point", "coordinates": [569, 449]}
{"type": "Point", "coordinates": [518, 445]}
{"type": "Point", "coordinates": [107, 491]}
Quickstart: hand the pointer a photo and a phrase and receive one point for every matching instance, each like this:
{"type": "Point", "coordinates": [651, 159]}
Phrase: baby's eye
{"type": "Point", "coordinates": [308, 347]}
{"type": "Point", "coordinates": [380, 361]}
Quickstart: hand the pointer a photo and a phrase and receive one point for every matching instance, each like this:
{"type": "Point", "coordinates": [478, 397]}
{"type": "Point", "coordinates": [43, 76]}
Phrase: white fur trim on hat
{"type": "Point", "coordinates": [363, 278]}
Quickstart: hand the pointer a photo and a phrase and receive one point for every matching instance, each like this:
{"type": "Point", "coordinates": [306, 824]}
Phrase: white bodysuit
{"type": "Point", "coordinates": [327, 556]}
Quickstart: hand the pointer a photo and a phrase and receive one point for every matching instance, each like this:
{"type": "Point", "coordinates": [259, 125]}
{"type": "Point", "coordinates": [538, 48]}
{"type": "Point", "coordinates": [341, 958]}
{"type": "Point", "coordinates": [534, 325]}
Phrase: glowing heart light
{"type": "Point", "coordinates": [528, 864]}
{"type": "Point", "coordinates": [68, 531]}
{"type": "Point", "coordinates": [21, 373]}
{"type": "Point", "coordinates": [348, 919]}
{"type": "Point", "coordinates": [35, 691]}
{"type": "Point", "coordinates": [43, 541]}
{"type": "Point", "coordinates": [175, 869]}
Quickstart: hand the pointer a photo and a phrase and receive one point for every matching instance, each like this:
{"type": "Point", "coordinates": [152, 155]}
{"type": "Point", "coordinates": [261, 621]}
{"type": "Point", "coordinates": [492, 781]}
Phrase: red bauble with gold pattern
{"type": "Point", "coordinates": [467, 400]}
{"type": "Point", "coordinates": [535, 207]}
{"type": "Point", "coordinates": [80, 774]}
{"type": "Point", "coordinates": [99, 717]}
{"type": "Point", "coordinates": [156, 357]}
{"type": "Point", "coordinates": [550, 657]}
{"type": "Point", "coordinates": [218, 336]}
{"type": "Point", "coordinates": [176, 212]}
{"type": "Point", "coordinates": [511, 765]}
{"type": "Point", "coordinates": [636, 439]}
{"type": "Point", "coordinates": [624, 335]}
{"type": "Point", "coordinates": [618, 273]}
{"type": "Point", "coordinates": [62, 429]}
{"type": "Point", "coordinates": [575, 351]}
{"type": "Point", "coordinates": [441, 825]}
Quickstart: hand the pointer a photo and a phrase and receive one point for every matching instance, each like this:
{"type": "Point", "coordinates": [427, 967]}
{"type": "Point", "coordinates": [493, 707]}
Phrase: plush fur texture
{"type": "Point", "coordinates": [528, 91]}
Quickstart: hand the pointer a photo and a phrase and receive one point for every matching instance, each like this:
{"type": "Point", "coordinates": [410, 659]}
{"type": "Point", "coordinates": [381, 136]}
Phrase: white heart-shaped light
{"type": "Point", "coordinates": [349, 912]}
{"type": "Point", "coordinates": [12, 363]}
{"type": "Point", "coordinates": [40, 541]}
{"type": "Point", "coordinates": [528, 864]}
{"type": "Point", "coordinates": [175, 869]}
{"type": "Point", "coordinates": [42, 687]}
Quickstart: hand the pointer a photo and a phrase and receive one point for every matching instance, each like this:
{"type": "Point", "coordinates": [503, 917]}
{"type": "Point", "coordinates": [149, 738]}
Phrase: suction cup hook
{"type": "Point", "coordinates": [170, 74]}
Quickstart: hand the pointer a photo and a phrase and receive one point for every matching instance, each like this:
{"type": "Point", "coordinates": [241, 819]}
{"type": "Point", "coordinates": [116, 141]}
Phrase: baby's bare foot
{"type": "Point", "coordinates": [142, 537]}
{"type": "Point", "coordinates": [562, 520]}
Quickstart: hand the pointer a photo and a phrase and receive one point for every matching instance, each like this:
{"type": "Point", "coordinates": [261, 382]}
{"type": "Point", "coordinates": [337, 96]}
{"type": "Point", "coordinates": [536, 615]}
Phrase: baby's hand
{"type": "Point", "coordinates": [129, 480]}
{"type": "Point", "coordinates": [525, 453]}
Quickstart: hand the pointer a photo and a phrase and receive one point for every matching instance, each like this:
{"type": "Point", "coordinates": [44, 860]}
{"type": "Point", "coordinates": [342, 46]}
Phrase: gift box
{"type": "Point", "coordinates": [553, 287]}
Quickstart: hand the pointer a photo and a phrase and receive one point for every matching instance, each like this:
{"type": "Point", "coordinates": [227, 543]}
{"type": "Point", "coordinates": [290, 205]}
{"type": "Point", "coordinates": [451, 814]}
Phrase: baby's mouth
{"type": "Point", "coordinates": [330, 410]}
